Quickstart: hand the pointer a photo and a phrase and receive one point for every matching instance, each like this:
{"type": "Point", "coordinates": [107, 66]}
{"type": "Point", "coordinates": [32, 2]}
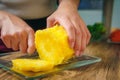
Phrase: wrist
{"type": "Point", "coordinates": [3, 16]}
{"type": "Point", "coordinates": [69, 3]}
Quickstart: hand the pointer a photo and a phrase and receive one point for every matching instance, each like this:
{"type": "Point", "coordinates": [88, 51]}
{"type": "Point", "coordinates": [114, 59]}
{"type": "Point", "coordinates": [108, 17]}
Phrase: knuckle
{"type": "Point", "coordinates": [72, 40]}
{"type": "Point", "coordinates": [4, 36]}
{"type": "Point", "coordinates": [14, 35]}
{"type": "Point", "coordinates": [30, 30]}
{"type": "Point", "coordinates": [77, 47]}
{"type": "Point", "coordinates": [49, 18]}
{"type": "Point", "coordinates": [70, 28]}
{"type": "Point", "coordinates": [78, 32]}
{"type": "Point", "coordinates": [22, 33]}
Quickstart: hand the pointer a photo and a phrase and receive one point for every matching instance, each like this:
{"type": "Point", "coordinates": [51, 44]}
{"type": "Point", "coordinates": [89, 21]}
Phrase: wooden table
{"type": "Point", "coordinates": [107, 69]}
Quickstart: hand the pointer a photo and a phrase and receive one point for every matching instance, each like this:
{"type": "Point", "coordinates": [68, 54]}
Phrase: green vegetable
{"type": "Point", "coordinates": [97, 31]}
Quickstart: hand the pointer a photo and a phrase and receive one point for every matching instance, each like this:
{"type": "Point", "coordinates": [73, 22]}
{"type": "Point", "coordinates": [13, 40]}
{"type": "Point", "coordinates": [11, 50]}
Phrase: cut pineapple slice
{"type": "Point", "coordinates": [52, 44]}
{"type": "Point", "coordinates": [34, 65]}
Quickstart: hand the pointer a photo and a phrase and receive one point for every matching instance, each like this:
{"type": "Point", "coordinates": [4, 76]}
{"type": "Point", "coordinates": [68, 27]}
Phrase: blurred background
{"type": "Point", "coordinates": [92, 11]}
{"type": "Point", "coordinates": [102, 18]}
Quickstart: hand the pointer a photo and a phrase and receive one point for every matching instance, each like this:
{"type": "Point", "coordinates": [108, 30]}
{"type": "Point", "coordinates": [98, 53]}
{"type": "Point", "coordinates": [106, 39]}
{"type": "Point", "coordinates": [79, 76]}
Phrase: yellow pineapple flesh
{"type": "Point", "coordinates": [52, 45]}
{"type": "Point", "coordinates": [34, 65]}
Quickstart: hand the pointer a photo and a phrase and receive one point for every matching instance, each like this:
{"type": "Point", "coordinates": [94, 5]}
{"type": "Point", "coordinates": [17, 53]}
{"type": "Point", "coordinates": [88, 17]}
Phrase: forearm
{"type": "Point", "coordinates": [1, 18]}
{"type": "Point", "coordinates": [73, 3]}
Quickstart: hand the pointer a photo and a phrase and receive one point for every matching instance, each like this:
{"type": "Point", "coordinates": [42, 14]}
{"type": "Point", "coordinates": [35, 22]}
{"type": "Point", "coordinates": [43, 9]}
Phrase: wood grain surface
{"type": "Point", "coordinates": [107, 69]}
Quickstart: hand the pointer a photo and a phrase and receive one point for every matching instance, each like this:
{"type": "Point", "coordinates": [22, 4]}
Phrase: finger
{"type": "Point", "coordinates": [31, 43]}
{"type": "Point", "coordinates": [83, 41]}
{"type": "Point", "coordinates": [50, 22]}
{"type": "Point", "coordinates": [84, 36]}
{"type": "Point", "coordinates": [6, 40]}
{"type": "Point", "coordinates": [66, 23]}
{"type": "Point", "coordinates": [81, 36]}
{"type": "Point", "coordinates": [15, 42]}
{"type": "Point", "coordinates": [78, 39]}
{"type": "Point", "coordinates": [88, 35]}
{"type": "Point", "coordinates": [23, 42]}
{"type": "Point", "coordinates": [6, 37]}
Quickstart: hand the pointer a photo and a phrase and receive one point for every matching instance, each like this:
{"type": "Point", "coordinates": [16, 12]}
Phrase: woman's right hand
{"type": "Point", "coordinates": [16, 34]}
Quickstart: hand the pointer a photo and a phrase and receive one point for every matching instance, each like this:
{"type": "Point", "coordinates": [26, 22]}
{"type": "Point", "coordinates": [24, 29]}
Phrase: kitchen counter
{"type": "Point", "coordinates": [107, 69]}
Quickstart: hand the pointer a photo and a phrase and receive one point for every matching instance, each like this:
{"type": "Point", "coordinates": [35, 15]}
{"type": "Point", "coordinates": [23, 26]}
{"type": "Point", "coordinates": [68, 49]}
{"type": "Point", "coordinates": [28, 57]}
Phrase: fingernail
{"type": "Point", "coordinates": [77, 53]}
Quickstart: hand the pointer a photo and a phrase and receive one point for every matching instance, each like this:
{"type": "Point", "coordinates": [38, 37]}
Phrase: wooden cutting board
{"type": "Point", "coordinates": [107, 69]}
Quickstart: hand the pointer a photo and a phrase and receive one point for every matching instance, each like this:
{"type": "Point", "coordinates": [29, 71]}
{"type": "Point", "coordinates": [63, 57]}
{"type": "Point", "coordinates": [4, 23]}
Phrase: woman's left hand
{"type": "Point", "coordinates": [67, 15]}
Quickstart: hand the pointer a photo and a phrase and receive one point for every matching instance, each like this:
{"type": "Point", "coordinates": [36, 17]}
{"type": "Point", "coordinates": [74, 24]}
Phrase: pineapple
{"type": "Point", "coordinates": [52, 45]}
{"type": "Point", "coordinates": [34, 65]}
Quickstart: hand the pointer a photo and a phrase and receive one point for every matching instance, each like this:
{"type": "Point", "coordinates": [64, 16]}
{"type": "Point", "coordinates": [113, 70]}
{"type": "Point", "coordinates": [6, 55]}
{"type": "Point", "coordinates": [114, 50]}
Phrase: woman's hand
{"type": "Point", "coordinates": [16, 34]}
{"type": "Point", "coordinates": [68, 16]}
